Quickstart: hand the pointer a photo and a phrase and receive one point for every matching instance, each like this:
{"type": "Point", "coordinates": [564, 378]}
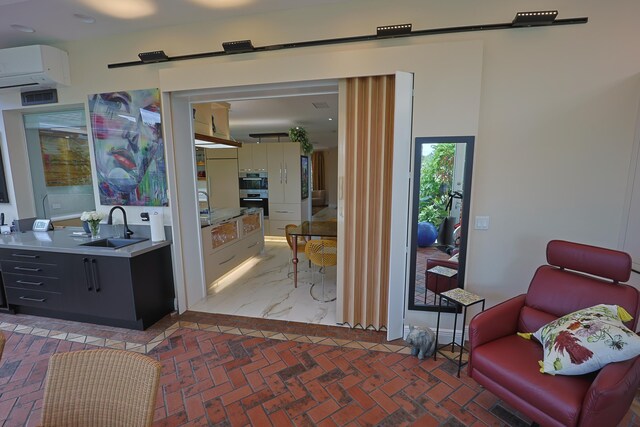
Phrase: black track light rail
{"type": "Point", "coordinates": [354, 39]}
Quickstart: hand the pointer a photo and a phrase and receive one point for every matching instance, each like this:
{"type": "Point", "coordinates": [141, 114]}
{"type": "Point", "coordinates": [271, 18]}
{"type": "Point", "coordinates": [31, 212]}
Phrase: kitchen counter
{"type": "Point", "coordinates": [64, 241]}
{"type": "Point", "coordinates": [224, 214]}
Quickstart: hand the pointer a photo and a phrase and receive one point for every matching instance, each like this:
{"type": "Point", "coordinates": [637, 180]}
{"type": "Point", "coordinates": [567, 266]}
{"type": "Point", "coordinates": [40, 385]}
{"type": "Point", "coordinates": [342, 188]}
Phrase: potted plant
{"type": "Point", "coordinates": [299, 134]}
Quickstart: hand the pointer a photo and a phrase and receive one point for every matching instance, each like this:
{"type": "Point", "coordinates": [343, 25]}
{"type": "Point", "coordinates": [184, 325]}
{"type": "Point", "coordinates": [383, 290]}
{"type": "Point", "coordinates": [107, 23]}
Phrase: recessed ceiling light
{"type": "Point", "coordinates": [84, 18]}
{"type": "Point", "coordinates": [23, 28]}
{"type": "Point", "coordinates": [330, 118]}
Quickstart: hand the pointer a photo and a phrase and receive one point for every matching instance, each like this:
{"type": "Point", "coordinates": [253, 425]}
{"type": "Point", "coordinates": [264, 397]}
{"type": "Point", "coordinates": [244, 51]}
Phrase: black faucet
{"type": "Point", "coordinates": [127, 232]}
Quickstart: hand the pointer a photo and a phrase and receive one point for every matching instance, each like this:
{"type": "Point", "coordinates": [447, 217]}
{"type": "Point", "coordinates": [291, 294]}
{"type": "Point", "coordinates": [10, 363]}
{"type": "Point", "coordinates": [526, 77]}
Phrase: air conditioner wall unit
{"type": "Point", "coordinates": [33, 66]}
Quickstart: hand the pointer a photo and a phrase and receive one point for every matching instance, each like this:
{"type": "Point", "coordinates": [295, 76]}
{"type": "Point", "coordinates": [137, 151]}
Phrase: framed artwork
{"type": "Point", "coordinates": [129, 149]}
{"type": "Point", "coordinates": [304, 174]}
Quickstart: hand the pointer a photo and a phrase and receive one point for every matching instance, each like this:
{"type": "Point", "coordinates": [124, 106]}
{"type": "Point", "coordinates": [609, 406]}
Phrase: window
{"type": "Point", "coordinates": [60, 163]}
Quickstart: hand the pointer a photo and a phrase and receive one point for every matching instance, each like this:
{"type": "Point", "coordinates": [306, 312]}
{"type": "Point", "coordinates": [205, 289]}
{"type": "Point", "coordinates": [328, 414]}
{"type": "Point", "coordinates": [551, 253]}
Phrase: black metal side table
{"type": "Point", "coordinates": [463, 300]}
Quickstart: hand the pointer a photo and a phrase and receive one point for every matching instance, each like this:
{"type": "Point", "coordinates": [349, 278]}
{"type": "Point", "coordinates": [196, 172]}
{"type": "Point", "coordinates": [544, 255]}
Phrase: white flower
{"type": "Point", "coordinates": [91, 216]}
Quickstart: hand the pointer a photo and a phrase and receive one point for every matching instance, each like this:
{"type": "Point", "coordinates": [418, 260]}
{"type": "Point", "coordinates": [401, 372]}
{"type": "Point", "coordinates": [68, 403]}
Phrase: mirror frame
{"type": "Point", "coordinates": [466, 191]}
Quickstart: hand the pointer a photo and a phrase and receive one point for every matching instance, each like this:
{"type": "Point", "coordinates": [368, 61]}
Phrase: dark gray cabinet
{"type": "Point", "coordinates": [118, 291]}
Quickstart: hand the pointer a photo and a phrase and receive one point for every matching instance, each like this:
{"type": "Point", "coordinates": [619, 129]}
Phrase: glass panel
{"type": "Point", "coordinates": [224, 233]}
{"type": "Point", "coordinates": [60, 163]}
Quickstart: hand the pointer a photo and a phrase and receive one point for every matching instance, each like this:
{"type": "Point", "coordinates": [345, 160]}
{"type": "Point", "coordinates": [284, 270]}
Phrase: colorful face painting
{"type": "Point", "coordinates": [129, 148]}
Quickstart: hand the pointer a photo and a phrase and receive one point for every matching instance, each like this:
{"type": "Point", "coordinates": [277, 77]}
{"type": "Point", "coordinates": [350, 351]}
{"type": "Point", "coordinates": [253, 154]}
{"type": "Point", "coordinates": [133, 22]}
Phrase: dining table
{"type": "Point", "coordinates": [310, 229]}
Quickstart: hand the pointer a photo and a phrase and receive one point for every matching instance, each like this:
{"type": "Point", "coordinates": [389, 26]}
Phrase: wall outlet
{"type": "Point", "coordinates": [144, 216]}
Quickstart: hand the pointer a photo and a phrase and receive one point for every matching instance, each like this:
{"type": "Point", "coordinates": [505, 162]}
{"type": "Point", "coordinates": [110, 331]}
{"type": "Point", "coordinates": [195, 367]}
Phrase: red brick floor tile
{"type": "Point", "coordinates": [384, 401]}
{"type": "Point", "coordinates": [212, 378]}
{"type": "Point", "coordinates": [439, 392]}
{"type": "Point", "coordinates": [258, 418]}
{"type": "Point", "coordinates": [351, 412]}
{"type": "Point", "coordinates": [280, 419]}
{"type": "Point", "coordinates": [324, 410]}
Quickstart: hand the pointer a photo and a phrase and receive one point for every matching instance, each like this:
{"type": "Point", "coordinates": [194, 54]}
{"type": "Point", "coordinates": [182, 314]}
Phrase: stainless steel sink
{"type": "Point", "coordinates": [113, 242]}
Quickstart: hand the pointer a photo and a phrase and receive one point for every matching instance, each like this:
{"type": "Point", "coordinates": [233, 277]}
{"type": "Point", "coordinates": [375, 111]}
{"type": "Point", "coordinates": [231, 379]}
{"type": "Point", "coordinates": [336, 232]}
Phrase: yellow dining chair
{"type": "Point", "coordinates": [323, 253]}
{"type": "Point", "coordinates": [104, 387]}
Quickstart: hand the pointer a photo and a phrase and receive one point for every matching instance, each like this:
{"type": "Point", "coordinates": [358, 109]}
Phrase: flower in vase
{"type": "Point", "coordinates": [92, 216]}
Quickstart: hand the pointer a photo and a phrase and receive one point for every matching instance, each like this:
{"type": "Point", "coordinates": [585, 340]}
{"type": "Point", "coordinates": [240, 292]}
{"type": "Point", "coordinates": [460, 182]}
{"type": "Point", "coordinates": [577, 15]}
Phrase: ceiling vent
{"type": "Point", "coordinates": [320, 105]}
{"type": "Point", "coordinates": [39, 97]}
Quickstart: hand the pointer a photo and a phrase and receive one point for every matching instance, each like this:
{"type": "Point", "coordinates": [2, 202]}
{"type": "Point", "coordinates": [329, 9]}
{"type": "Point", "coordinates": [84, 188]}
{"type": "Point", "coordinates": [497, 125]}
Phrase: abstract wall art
{"type": "Point", "coordinates": [129, 148]}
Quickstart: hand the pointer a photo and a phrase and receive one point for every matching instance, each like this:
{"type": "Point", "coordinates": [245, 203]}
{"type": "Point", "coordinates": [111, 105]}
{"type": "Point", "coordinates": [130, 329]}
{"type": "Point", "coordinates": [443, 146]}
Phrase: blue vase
{"type": "Point", "coordinates": [85, 226]}
{"type": "Point", "coordinates": [427, 234]}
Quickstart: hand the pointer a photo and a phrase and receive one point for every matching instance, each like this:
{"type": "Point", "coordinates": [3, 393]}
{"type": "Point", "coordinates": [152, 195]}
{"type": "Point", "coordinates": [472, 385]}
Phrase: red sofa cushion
{"type": "Point", "coordinates": [513, 363]}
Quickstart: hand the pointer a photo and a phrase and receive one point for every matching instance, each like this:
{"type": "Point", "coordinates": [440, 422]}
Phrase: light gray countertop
{"type": "Point", "coordinates": [221, 215]}
{"type": "Point", "coordinates": [65, 241]}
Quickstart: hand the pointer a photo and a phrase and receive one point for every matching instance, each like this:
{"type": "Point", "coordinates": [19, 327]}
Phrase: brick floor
{"type": "Point", "coordinates": [217, 378]}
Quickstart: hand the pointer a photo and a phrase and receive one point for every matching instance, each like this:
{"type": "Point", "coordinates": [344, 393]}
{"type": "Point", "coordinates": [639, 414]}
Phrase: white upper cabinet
{"type": "Point", "coordinates": [252, 158]}
{"type": "Point", "coordinates": [283, 160]}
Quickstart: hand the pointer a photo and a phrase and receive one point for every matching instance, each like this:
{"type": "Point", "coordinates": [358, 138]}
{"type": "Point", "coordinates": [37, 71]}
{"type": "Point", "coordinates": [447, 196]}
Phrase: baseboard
{"type": "Point", "coordinates": [444, 336]}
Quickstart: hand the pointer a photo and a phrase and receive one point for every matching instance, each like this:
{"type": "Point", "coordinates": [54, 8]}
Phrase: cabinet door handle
{"type": "Point", "coordinates": [27, 269]}
{"type": "Point", "coordinates": [94, 271]}
{"type": "Point", "coordinates": [33, 299]}
{"type": "Point", "coordinates": [285, 173]}
{"type": "Point", "coordinates": [250, 246]}
{"type": "Point", "coordinates": [87, 278]}
{"type": "Point", "coordinates": [280, 173]}
{"type": "Point", "coordinates": [226, 261]}
{"type": "Point", "coordinates": [25, 282]}
{"type": "Point", "coordinates": [282, 211]}
{"type": "Point", "coordinates": [25, 256]}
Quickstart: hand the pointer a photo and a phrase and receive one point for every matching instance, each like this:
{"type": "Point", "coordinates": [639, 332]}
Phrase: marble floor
{"type": "Point", "coordinates": [263, 287]}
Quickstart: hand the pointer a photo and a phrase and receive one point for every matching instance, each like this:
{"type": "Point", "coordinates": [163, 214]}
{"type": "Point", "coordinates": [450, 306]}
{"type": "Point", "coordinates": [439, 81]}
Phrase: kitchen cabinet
{"type": "Point", "coordinates": [228, 244]}
{"type": "Point", "coordinates": [252, 158]}
{"type": "Point", "coordinates": [127, 292]}
{"type": "Point", "coordinates": [283, 161]}
{"type": "Point", "coordinates": [221, 153]}
{"type": "Point", "coordinates": [285, 199]}
{"type": "Point", "coordinates": [222, 181]}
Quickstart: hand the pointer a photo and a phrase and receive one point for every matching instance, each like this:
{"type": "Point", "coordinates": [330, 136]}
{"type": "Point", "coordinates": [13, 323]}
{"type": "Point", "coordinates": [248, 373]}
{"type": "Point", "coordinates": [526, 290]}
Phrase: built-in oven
{"type": "Point", "coordinates": [253, 181]}
{"type": "Point", "coordinates": [255, 199]}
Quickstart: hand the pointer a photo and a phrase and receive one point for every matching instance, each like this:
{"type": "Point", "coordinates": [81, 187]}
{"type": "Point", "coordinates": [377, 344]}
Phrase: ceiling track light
{"type": "Point", "coordinates": [239, 46]}
{"type": "Point", "coordinates": [522, 19]}
{"type": "Point", "coordinates": [393, 30]}
{"type": "Point", "coordinates": [534, 19]}
{"type": "Point", "coordinates": [153, 57]}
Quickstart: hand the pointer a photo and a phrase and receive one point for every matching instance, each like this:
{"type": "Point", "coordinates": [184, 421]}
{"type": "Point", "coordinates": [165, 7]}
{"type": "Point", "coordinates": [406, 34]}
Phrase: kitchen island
{"type": "Point", "coordinates": [229, 238]}
{"type": "Point", "coordinates": [55, 274]}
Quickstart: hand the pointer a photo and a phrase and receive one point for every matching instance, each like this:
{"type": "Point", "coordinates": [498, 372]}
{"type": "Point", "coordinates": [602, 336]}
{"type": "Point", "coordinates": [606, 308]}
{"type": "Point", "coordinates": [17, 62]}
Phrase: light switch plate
{"type": "Point", "coordinates": [482, 223]}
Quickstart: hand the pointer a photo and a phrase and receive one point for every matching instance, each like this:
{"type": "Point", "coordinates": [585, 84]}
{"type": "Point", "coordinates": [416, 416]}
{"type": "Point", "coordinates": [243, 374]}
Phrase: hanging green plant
{"type": "Point", "coordinates": [299, 134]}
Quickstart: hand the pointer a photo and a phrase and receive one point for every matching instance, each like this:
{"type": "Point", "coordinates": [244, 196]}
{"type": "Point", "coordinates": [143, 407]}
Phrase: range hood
{"type": "Point", "coordinates": [211, 126]}
{"type": "Point", "coordinates": [206, 141]}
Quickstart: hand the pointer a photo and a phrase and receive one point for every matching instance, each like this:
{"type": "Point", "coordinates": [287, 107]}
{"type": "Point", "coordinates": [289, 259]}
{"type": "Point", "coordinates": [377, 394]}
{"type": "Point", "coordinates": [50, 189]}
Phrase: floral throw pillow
{"type": "Point", "coordinates": [586, 340]}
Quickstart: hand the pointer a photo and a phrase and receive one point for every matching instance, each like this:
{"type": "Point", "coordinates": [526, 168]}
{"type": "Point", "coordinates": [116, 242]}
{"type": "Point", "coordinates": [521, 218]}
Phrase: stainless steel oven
{"type": "Point", "coordinates": [253, 181]}
{"type": "Point", "coordinates": [255, 199]}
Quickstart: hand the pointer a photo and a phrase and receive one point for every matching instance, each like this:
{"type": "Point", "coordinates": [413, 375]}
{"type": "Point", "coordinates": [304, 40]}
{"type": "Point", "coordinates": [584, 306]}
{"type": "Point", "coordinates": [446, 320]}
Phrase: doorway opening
{"type": "Point", "coordinates": [440, 218]}
{"type": "Point", "coordinates": [262, 286]}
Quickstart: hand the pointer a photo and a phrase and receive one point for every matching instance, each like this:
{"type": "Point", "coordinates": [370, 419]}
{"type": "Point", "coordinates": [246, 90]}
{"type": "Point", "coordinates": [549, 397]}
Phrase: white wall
{"type": "Point", "coordinates": [557, 108]}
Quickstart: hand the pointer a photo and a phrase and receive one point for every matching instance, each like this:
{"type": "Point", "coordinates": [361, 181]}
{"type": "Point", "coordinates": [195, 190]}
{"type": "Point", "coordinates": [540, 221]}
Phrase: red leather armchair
{"type": "Point", "coordinates": [507, 365]}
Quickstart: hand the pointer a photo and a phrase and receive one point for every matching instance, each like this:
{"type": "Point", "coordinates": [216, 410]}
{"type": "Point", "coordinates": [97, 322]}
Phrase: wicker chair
{"type": "Point", "coordinates": [2, 340]}
{"type": "Point", "coordinates": [103, 387]}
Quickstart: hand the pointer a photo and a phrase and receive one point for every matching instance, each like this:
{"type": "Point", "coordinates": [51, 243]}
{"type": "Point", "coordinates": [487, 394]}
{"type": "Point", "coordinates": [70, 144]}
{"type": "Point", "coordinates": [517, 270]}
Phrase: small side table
{"type": "Point", "coordinates": [462, 299]}
{"type": "Point", "coordinates": [448, 277]}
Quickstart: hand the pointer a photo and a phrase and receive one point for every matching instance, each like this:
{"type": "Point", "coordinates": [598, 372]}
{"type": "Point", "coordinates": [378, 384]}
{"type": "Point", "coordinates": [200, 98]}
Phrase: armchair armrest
{"type": "Point", "coordinates": [496, 322]}
{"type": "Point", "coordinates": [611, 393]}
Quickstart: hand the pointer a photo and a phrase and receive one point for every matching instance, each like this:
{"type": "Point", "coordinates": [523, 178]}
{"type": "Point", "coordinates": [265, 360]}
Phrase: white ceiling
{"type": "Point", "coordinates": [54, 22]}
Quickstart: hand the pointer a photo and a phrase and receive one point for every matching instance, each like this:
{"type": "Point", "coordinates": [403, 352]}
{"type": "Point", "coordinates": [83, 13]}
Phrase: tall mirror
{"type": "Point", "coordinates": [440, 218]}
